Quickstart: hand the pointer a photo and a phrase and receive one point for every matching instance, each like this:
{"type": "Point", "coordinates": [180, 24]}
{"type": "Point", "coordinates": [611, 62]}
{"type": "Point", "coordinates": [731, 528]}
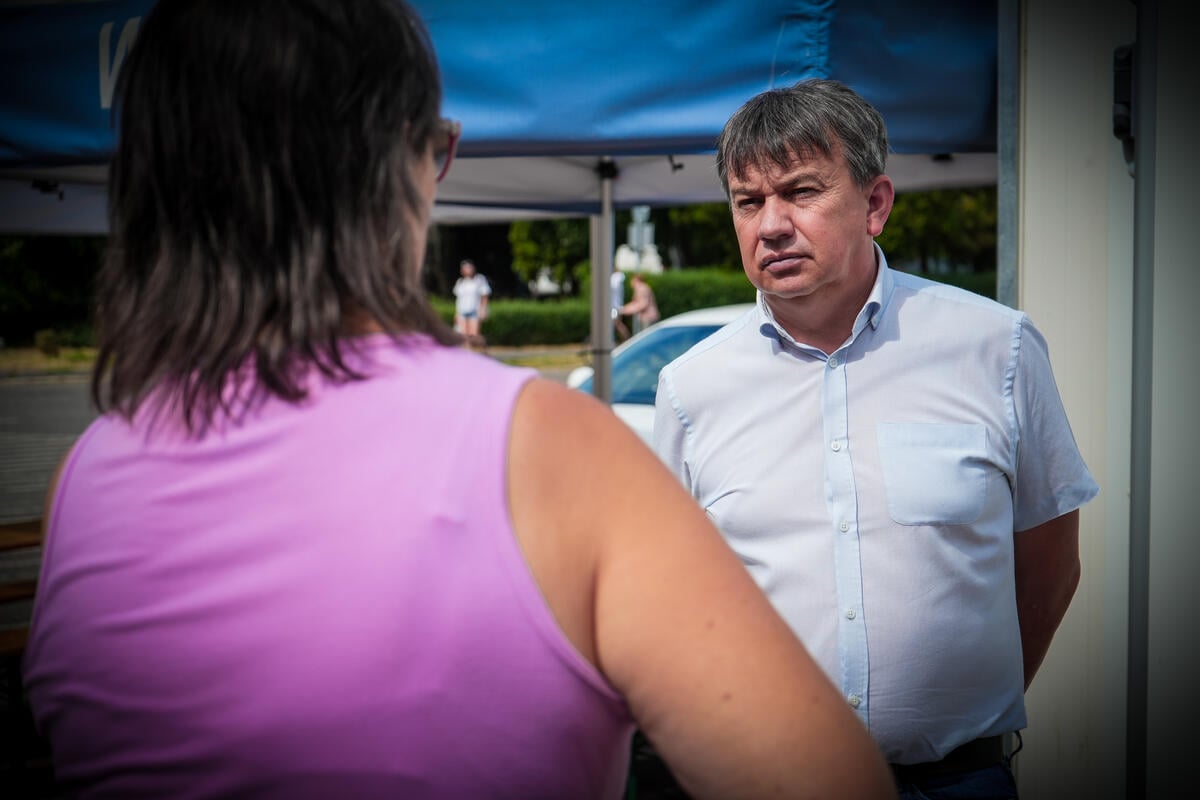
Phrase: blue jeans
{"type": "Point", "coordinates": [990, 783]}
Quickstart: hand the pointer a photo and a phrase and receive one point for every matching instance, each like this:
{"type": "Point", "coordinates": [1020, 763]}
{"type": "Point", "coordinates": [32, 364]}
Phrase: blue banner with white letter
{"type": "Point", "coordinates": [543, 77]}
{"type": "Point", "coordinates": [60, 63]}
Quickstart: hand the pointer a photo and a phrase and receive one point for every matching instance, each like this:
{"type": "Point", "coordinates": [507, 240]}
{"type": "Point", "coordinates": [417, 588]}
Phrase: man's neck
{"type": "Point", "coordinates": [824, 320]}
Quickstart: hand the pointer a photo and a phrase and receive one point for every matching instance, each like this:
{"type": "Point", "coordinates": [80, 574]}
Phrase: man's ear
{"type": "Point", "coordinates": [880, 196]}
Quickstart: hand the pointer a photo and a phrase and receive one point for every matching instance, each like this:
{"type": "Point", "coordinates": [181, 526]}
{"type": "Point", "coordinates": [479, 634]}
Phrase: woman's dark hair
{"type": "Point", "coordinates": [261, 199]}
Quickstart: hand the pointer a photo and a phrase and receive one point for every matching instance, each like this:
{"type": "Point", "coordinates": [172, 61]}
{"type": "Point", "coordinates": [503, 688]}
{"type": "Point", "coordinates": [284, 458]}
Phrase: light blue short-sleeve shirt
{"type": "Point", "coordinates": [873, 493]}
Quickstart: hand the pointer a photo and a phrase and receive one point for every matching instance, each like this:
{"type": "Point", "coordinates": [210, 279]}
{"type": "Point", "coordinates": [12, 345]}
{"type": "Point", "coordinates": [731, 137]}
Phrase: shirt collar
{"type": "Point", "coordinates": [870, 314]}
{"type": "Point", "coordinates": [880, 296]}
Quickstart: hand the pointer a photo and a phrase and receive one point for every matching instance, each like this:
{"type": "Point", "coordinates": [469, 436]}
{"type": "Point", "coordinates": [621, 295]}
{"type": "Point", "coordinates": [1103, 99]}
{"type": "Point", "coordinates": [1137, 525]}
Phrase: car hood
{"type": "Point", "coordinates": [639, 417]}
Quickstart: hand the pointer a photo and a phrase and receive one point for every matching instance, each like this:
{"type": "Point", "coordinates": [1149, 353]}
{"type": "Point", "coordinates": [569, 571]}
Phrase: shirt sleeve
{"type": "Point", "coordinates": [669, 433]}
{"type": "Point", "coordinates": [1051, 477]}
{"type": "Point", "coordinates": [485, 288]}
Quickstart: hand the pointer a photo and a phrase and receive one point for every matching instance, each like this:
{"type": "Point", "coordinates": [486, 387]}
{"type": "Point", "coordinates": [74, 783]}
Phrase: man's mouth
{"type": "Point", "coordinates": [781, 262]}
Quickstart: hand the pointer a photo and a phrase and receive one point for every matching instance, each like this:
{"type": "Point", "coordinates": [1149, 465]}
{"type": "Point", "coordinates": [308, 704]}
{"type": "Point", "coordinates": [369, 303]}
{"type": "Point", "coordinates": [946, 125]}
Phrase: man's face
{"type": "Point", "coordinates": [806, 230]}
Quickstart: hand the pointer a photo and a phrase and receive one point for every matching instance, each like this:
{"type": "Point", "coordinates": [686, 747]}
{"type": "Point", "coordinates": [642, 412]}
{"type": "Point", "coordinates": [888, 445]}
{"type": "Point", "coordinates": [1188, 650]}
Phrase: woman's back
{"type": "Point", "coordinates": [324, 599]}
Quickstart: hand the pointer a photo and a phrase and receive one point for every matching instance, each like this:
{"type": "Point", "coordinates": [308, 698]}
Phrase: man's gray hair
{"type": "Point", "coordinates": [813, 116]}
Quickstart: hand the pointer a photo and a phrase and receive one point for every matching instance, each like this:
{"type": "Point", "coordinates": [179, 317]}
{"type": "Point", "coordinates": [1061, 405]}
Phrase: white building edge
{"type": "Point", "coordinates": [1110, 711]}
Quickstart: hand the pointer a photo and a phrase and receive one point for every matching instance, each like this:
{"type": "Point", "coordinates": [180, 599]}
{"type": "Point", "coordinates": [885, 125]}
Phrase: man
{"type": "Point", "coordinates": [471, 293]}
{"type": "Point", "coordinates": [888, 456]}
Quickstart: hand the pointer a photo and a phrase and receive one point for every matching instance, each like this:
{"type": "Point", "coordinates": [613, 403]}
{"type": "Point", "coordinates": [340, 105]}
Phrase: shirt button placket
{"type": "Point", "coordinates": [839, 476]}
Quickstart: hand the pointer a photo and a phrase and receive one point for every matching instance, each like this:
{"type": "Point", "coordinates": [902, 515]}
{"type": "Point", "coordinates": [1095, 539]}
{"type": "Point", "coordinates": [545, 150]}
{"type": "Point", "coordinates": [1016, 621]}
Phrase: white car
{"type": "Point", "coordinates": [636, 362]}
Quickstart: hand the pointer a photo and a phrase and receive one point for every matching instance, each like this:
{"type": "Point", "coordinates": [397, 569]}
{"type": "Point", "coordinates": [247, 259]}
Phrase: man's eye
{"type": "Point", "coordinates": [748, 202]}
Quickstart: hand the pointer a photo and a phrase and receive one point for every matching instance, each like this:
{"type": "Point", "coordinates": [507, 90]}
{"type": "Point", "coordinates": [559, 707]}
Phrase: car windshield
{"type": "Point", "coordinates": [635, 369]}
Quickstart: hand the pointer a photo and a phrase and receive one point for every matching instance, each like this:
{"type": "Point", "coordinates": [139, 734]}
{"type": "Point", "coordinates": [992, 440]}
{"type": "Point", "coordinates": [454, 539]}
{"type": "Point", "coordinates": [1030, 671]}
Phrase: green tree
{"type": "Point", "coordinates": [698, 235]}
{"type": "Point", "coordinates": [703, 235]}
{"type": "Point", "coordinates": [46, 282]}
{"type": "Point", "coordinates": [950, 226]}
{"type": "Point", "coordinates": [562, 245]}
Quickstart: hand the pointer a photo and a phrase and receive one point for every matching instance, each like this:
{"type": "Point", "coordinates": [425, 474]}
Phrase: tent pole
{"type": "Point", "coordinates": [1145, 113]}
{"type": "Point", "coordinates": [1008, 49]}
{"type": "Point", "coordinates": [602, 268]}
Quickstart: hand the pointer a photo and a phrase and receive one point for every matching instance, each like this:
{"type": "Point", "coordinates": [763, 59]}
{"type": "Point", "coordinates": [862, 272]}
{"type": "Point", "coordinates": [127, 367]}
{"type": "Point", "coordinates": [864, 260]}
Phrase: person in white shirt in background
{"type": "Point", "coordinates": [616, 286]}
{"type": "Point", "coordinates": [471, 293]}
{"type": "Point", "coordinates": [888, 456]}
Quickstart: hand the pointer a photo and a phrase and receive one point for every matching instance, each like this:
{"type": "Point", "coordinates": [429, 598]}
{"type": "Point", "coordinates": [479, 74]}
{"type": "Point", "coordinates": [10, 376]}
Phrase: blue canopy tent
{"type": "Point", "coordinates": [567, 108]}
{"type": "Point", "coordinates": [544, 88]}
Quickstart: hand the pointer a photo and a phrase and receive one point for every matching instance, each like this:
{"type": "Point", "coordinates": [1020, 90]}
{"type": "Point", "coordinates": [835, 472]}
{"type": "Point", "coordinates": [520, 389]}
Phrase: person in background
{"type": "Point", "coordinates": [888, 456]}
{"type": "Point", "coordinates": [471, 293]}
{"type": "Point", "coordinates": [616, 286]}
{"type": "Point", "coordinates": [284, 562]}
{"type": "Point", "coordinates": [642, 307]}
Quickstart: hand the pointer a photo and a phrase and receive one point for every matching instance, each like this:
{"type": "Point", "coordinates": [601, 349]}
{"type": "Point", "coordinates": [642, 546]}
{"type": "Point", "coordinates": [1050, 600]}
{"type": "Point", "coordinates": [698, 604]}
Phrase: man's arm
{"type": "Point", "coordinates": [669, 436]}
{"type": "Point", "coordinates": [1047, 573]}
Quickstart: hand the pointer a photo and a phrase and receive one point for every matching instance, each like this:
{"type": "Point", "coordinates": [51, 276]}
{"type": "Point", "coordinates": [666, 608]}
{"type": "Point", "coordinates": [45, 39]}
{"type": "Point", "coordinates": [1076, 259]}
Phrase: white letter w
{"type": "Point", "coordinates": [110, 66]}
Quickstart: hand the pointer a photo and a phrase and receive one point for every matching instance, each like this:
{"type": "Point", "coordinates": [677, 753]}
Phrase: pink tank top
{"type": "Point", "coordinates": [323, 600]}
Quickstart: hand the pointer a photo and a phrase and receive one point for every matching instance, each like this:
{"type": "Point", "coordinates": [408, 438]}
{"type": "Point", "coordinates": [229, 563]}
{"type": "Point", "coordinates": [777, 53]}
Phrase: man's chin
{"type": "Point", "coordinates": [784, 291]}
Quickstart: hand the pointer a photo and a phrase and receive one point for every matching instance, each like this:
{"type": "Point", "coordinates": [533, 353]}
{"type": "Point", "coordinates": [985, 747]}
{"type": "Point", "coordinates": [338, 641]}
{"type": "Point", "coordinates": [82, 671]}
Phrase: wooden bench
{"type": "Point", "coordinates": [14, 639]}
{"type": "Point", "coordinates": [25, 762]}
{"type": "Point", "coordinates": [14, 535]}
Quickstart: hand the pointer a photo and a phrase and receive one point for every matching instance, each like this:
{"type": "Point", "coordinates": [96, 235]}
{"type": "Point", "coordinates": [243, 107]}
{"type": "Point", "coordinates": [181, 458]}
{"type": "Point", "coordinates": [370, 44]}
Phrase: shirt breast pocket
{"type": "Point", "coordinates": [934, 474]}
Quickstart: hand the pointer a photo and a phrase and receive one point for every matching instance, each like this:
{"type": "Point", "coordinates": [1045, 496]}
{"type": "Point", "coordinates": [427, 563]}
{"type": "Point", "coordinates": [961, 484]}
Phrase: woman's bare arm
{"type": "Point", "coordinates": [646, 589]}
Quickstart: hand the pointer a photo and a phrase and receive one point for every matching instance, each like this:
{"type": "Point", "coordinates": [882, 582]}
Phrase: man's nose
{"type": "Point", "coordinates": [775, 221]}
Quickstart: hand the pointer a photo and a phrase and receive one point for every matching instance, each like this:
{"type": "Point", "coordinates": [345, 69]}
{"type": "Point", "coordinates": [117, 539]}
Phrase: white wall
{"type": "Point", "coordinates": [1075, 234]}
{"type": "Point", "coordinates": [1075, 277]}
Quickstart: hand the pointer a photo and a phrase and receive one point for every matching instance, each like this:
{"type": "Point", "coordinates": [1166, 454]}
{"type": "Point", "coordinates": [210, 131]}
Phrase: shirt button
{"type": "Point", "coordinates": [854, 700]}
{"type": "Point", "coordinates": [850, 613]}
{"type": "Point", "coordinates": [833, 362]}
{"type": "Point", "coordinates": [835, 445]}
{"type": "Point", "coordinates": [844, 526]}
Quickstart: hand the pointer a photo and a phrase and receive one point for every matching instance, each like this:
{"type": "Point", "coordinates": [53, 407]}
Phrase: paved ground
{"type": "Point", "coordinates": [41, 415]}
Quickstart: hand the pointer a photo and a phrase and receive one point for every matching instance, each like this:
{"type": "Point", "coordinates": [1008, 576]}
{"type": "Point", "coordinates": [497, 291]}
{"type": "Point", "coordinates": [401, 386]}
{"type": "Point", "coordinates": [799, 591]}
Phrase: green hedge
{"type": "Point", "coordinates": [700, 287]}
{"type": "Point", "coordinates": [47, 341]}
{"type": "Point", "coordinates": [677, 291]}
{"type": "Point", "coordinates": [513, 323]}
